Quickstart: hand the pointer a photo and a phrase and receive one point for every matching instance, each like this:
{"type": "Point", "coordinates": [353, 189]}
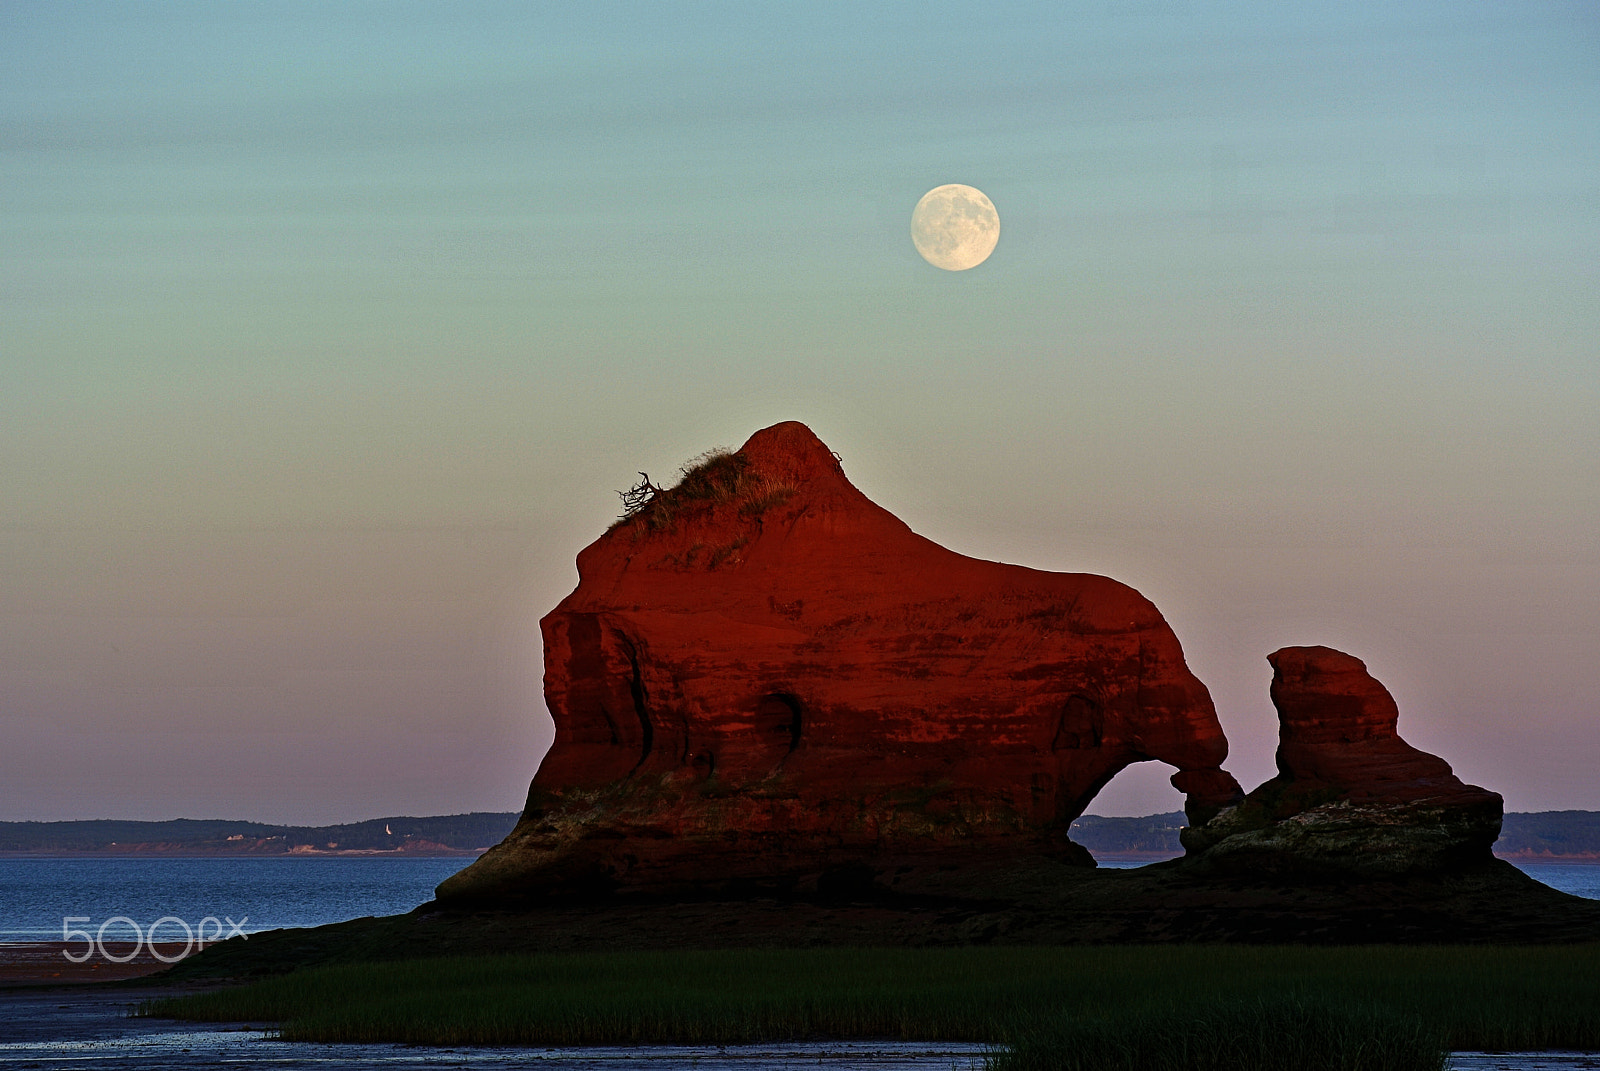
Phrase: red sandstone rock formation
{"type": "Point", "coordinates": [1338, 730]}
{"type": "Point", "coordinates": [764, 676]}
{"type": "Point", "coordinates": [1351, 796]}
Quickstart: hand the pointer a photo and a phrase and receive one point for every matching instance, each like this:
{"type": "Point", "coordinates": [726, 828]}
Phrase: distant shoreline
{"type": "Point", "coordinates": [1545, 837]}
{"type": "Point", "coordinates": [460, 835]}
{"type": "Point", "coordinates": [1582, 858]}
{"type": "Point", "coordinates": [201, 853]}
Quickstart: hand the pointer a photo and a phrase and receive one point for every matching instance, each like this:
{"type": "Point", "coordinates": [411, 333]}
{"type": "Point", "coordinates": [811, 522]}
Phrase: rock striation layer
{"type": "Point", "coordinates": [763, 678]}
{"type": "Point", "coordinates": [1351, 797]}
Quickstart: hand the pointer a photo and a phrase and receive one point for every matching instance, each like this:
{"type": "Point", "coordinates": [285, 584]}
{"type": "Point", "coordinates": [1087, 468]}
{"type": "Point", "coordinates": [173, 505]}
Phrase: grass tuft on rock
{"type": "Point", "coordinates": [710, 479]}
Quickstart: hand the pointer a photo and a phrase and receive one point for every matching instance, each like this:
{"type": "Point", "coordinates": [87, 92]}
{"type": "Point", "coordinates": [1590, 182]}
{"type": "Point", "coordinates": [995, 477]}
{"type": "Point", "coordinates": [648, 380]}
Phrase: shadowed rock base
{"type": "Point", "coordinates": [1023, 901]}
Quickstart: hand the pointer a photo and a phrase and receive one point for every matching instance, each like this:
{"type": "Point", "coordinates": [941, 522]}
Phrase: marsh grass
{"type": "Point", "coordinates": [1383, 1008]}
{"type": "Point", "coordinates": [1301, 1035]}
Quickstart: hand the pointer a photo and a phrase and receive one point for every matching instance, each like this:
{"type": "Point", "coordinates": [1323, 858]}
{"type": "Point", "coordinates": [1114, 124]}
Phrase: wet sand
{"type": "Point", "coordinates": [88, 1026]}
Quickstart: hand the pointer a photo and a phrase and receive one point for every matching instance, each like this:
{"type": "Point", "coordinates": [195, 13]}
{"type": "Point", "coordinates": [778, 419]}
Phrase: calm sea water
{"type": "Point", "coordinates": [265, 894]}
{"type": "Point", "coordinates": [1579, 879]}
{"type": "Point", "coordinates": [36, 894]}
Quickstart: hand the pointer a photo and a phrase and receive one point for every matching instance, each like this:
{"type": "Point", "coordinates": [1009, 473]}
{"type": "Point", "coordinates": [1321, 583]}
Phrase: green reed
{"type": "Point", "coordinates": [1228, 1035]}
{"type": "Point", "coordinates": [1067, 1007]}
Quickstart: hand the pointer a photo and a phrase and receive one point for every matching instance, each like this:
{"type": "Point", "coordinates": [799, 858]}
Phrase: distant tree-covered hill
{"type": "Point", "coordinates": [442, 835]}
{"type": "Point", "coordinates": [1555, 834]}
{"type": "Point", "coordinates": [1155, 834]}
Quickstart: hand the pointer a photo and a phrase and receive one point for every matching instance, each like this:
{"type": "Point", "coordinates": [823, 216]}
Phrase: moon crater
{"type": "Point", "coordinates": [955, 227]}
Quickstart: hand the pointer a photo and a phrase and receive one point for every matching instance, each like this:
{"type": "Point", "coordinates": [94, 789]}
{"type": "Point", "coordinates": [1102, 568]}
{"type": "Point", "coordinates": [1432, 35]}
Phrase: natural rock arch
{"type": "Point", "coordinates": [764, 676]}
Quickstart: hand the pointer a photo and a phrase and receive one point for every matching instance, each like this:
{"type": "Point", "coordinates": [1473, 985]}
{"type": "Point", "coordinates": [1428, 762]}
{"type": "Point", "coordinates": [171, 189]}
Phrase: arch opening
{"type": "Point", "coordinates": [1134, 818]}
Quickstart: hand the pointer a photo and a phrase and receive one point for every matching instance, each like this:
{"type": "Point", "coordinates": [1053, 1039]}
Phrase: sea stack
{"type": "Point", "coordinates": [764, 680]}
{"type": "Point", "coordinates": [1351, 797]}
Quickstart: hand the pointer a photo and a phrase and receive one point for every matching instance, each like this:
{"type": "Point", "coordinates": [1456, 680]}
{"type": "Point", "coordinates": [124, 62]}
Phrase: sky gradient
{"type": "Point", "coordinates": [328, 332]}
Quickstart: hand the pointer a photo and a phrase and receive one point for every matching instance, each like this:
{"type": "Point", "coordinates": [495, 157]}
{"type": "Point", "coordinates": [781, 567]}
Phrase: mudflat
{"type": "Point", "coordinates": [32, 963]}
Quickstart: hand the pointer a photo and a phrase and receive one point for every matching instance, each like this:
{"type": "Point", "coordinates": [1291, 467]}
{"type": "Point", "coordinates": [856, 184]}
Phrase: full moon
{"type": "Point", "coordinates": [955, 227]}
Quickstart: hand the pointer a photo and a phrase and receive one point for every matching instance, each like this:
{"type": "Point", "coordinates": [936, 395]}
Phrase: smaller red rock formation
{"type": "Point", "coordinates": [1339, 732]}
{"type": "Point", "coordinates": [1351, 796]}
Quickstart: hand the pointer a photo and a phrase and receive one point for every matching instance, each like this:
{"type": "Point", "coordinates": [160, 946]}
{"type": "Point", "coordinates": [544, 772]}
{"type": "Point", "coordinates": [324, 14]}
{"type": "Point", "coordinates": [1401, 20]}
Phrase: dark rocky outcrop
{"type": "Point", "coordinates": [765, 680]}
{"type": "Point", "coordinates": [1018, 901]}
{"type": "Point", "coordinates": [1351, 797]}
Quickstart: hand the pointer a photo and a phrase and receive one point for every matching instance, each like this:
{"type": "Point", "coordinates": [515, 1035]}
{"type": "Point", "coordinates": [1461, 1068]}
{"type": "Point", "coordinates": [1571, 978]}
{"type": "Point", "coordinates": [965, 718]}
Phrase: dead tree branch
{"type": "Point", "coordinates": [638, 496]}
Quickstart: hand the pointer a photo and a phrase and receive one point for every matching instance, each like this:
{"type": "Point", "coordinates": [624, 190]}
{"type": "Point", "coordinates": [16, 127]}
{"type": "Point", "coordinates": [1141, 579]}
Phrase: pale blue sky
{"type": "Point", "coordinates": [327, 332]}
